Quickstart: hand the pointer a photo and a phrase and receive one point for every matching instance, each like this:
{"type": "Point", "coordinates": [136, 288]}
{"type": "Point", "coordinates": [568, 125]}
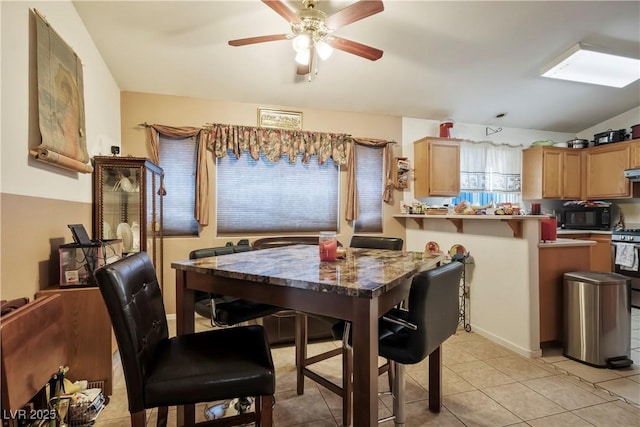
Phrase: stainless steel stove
{"type": "Point", "coordinates": [628, 239]}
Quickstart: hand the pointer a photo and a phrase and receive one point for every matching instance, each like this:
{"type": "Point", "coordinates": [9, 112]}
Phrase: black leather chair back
{"type": "Point", "coordinates": [433, 308]}
{"type": "Point", "coordinates": [131, 293]}
{"type": "Point", "coordinates": [376, 242]}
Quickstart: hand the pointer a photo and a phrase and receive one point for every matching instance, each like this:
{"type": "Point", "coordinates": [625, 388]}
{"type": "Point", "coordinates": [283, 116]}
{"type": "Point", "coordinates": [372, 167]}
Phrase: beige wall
{"type": "Point", "coordinates": [38, 200]}
{"type": "Point", "coordinates": [178, 111]}
{"type": "Point", "coordinates": [32, 230]}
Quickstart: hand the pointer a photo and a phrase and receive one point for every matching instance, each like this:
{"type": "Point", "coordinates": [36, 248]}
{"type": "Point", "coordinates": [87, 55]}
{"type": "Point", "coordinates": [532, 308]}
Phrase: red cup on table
{"type": "Point", "coordinates": [328, 245]}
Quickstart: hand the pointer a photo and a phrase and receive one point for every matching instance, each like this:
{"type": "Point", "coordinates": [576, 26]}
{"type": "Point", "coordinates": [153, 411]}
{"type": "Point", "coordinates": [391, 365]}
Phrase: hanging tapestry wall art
{"type": "Point", "coordinates": [60, 102]}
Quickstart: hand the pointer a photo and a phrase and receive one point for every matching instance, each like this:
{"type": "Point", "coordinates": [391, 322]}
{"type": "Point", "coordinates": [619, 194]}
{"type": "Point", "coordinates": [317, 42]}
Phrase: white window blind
{"type": "Point", "coordinates": [178, 160]}
{"type": "Point", "coordinates": [265, 197]}
{"type": "Point", "coordinates": [370, 182]}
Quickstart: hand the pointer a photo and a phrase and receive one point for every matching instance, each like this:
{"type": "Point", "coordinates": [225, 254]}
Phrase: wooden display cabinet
{"type": "Point", "coordinates": [87, 335]}
{"type": "Point", "coordinates": [127, 205]}
{"type": "Point", "coordinates": [551, 173]}
{"type": "Point", "coordinates": [437, 167]}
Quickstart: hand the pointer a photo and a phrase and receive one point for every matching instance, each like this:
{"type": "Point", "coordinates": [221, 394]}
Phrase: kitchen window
{"type": "Point", "coordinates": [265, 197]}
{"type": "Point", "coordinates": [178, 160]}
{"type": "Point", "coordinates": [489, 173]}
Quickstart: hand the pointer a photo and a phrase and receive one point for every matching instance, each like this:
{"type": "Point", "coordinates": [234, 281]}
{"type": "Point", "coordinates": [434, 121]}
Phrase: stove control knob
{"type": "Point", "coordinates": [623, 237]}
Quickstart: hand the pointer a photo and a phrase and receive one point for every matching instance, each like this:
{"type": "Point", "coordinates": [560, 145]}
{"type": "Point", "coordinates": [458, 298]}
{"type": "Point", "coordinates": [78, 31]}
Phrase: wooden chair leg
{"type": "Point", "coordinates": [264, 411]}
{"type": "Point", "coordinates": [163, 412]}
{"type": "Point", "coordinates": [347, 385]}
{"type": "Point", "coordinates": [139, 419]}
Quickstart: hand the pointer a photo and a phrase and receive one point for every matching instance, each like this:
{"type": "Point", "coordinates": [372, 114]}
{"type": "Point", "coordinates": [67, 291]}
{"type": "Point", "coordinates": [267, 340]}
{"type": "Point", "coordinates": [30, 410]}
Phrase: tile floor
{"type": "Point", "coordinates": [484, 384]}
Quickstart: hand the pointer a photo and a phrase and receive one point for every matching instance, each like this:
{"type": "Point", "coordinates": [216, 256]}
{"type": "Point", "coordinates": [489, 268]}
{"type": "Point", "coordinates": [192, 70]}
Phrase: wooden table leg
{"type": "Point", "coordinates": [365, 362]}
{"type": "Point", "coordinates": [435, 380]}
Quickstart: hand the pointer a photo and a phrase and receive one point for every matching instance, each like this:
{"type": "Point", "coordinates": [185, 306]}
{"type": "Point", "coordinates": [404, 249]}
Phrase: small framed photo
{"type": "Point", "coordinates": [268, 118]}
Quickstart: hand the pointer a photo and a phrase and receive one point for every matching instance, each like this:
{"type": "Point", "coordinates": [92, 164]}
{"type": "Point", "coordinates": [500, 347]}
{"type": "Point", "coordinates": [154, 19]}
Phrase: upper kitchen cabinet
{"type": "Point", "coordinates": [604, 171]}
{"type": "Point", "coordinates": [635, 153]}
{"type": "Point", "coordinates": [437, 167]}
{"type": "Point", "coordinates": [127, 204]}
{"type": "Point", "coordinates": [551, 173]}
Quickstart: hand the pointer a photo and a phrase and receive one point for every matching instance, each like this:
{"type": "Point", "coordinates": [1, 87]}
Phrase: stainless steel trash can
{"type": "Point", "coordinates": [597, 318]}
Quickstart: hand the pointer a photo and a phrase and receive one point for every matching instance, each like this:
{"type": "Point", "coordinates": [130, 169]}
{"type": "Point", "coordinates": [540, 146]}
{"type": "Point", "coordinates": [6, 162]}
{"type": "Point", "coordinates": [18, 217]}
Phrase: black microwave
{"type": "Point", "coordinates": [587, 218]}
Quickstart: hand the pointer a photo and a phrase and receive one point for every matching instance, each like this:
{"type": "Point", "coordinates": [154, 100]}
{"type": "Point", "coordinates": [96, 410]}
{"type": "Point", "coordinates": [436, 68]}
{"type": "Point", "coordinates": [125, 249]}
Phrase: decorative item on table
{"type": "Point", "coordinates": [327, 245]}
{"type": "Point", "coordinates": [432, 249]}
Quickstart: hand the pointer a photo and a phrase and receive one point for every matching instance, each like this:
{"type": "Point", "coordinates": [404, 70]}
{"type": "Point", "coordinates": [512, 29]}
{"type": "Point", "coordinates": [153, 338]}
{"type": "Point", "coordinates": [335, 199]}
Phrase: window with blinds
{"type": "Point", "coordinates": [178, 160]}
{"type": "Point", "coordinates": [265, 197]}
{"type": "Point", "coordinates": [370, 183]}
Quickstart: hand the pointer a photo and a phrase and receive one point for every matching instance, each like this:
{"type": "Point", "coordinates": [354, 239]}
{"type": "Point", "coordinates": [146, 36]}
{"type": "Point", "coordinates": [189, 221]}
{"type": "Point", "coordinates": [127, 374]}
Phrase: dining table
{"type": "Point", "coordinates": [360, 288]}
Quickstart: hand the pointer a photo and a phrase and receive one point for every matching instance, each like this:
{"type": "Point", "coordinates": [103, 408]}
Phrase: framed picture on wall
{"type": "Point", "coordinates": [268, 118]}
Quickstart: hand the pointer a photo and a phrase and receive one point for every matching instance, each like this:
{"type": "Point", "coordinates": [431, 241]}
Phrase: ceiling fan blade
{"type": "Point", "coordinates": [353, 13]}
{"type": "Point", "coordinates": [283, 10]}
{"type": "Point", "coordinates": [355, 48]}
{"type": "Point", "coordinates": [259, 39]}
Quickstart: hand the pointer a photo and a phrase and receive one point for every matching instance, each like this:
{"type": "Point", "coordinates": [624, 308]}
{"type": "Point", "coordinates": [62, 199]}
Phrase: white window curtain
{"type": "Point", "coordinates": [491, 168]}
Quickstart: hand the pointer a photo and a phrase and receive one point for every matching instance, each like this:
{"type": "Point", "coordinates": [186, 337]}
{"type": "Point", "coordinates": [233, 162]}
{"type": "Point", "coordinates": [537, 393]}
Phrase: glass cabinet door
{"type": "Point", "coordinates": [128, 205]}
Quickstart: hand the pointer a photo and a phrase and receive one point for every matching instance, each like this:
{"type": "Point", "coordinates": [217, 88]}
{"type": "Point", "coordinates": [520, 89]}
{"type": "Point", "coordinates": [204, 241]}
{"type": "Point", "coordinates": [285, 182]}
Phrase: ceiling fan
{"type": "Point", "coordinates": [312, 31]}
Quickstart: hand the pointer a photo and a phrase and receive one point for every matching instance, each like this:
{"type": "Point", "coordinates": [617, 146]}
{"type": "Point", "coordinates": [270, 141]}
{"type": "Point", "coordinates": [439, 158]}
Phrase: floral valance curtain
{"type": "Point", "coordinates": [487, 167]}
{"type": "Point", "coordinates": [274, 143]}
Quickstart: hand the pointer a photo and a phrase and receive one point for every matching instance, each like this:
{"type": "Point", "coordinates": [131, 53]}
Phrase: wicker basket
{"type": "Point", "coordinates": [436, 211]}
{"type": "Point", "coordinates": [85, 414]}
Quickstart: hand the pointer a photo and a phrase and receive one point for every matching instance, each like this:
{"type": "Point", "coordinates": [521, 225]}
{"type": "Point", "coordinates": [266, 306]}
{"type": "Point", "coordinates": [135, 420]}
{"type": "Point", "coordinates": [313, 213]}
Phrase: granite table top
{"type": "Point", "coordinates": [365, 273]}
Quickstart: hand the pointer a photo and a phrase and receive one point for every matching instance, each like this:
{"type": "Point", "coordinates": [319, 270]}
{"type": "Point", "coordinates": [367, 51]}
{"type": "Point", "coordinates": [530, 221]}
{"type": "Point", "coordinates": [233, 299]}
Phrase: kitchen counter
{"type": "Point", "coordinates": [566, 243]}
{"type": "Point", "coordinates": [515, 222]}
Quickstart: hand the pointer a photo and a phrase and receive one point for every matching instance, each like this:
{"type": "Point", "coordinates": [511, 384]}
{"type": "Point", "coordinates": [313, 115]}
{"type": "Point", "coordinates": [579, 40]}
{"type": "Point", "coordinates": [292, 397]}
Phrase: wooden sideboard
{"type": "Point", "coordinates": [87, 334]}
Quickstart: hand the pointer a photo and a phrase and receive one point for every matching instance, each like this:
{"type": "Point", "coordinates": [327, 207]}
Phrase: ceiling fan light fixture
{"type": "Point", "coordinates": [584, 64]}
{"type": "Point", "coordinates": [324, 49]}
{"type": "Point", "coordinates": [301, 42]}
{"type": "Point", "coordinates": [303, 57]}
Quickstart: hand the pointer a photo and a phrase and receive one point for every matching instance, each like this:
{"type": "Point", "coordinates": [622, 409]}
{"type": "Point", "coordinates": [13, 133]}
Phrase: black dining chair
{"type": "Point", "coordinates": [407, 337]}
{"type": "Point", "coordinates": [339, 329]}
{"type": "Point", "coordinates": [224, 310]}
{"type": "Point", "coordinates": [432, 317]}
{"type": "Point", "coordinates": [199, 367]}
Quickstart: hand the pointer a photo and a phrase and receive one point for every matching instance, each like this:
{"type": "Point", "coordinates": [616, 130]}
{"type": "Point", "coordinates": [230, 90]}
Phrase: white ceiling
{"type": "Point", "coordinates": [466, 61]}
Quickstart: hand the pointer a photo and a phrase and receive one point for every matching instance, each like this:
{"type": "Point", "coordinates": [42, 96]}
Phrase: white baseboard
{"type": "Point", "coordinates": [511, 346]}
